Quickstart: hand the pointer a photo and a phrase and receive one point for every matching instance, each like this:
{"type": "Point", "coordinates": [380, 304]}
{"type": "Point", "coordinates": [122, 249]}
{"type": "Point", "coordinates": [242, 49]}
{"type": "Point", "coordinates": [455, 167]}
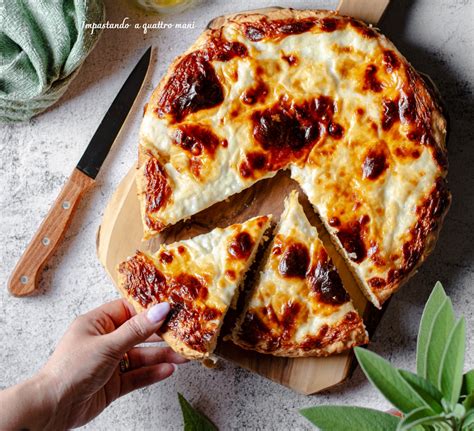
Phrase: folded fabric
{"type": "Point", "coordinates": [42, 45]}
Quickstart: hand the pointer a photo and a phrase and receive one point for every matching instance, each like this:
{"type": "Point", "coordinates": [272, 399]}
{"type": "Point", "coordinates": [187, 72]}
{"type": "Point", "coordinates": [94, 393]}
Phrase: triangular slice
{"type": "Point", "coordinates": [299, 306]}
{"type": "Point", "coordinates": [199, 278]}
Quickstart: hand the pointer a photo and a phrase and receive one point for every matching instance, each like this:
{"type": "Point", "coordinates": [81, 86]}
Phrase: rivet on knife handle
{"type": "Point", "coordinates": [25, 277]}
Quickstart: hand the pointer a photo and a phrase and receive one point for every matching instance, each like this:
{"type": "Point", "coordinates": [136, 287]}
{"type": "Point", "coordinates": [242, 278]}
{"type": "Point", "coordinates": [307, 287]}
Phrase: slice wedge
{"type": "Point", "coordinates": [299, 306]}
{"type": "Point", "coordinates": [199, 278]}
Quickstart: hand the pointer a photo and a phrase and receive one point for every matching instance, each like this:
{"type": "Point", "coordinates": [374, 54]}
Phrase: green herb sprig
{"type": "Point", "coordinates": [193, 419]}
{"type": "Point", "coordinates": [437, 397]}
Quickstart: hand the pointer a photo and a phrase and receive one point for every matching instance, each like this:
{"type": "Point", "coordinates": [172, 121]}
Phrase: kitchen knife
{"type": "Point", "coordinates": [25, 277]}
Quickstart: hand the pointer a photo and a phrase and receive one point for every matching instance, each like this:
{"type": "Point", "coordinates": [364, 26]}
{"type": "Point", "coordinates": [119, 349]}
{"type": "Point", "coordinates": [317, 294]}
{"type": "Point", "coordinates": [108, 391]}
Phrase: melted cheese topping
{"type": "Point", "coordinates": [338, 105]}
{"type": "Point", "coordinates": [199, 277]}
{"type": "Point", "coordinates": [299, 297]}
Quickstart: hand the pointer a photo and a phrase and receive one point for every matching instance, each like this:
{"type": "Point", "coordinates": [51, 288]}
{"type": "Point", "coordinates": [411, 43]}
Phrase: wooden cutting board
{"type": "Point", "coordinates": [120, 235]}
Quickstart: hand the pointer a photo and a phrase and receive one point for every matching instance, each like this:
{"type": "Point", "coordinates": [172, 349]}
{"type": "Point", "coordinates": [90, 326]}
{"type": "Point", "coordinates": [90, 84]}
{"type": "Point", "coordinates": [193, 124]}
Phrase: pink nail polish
{"type": "Point", "coordinates": [158, 312]}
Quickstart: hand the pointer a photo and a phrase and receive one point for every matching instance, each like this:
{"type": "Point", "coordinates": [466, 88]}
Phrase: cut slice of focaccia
{"type": "Point", "coordinates": [299, 306]}
{"type": "Point", "coordinates": [199, 278]}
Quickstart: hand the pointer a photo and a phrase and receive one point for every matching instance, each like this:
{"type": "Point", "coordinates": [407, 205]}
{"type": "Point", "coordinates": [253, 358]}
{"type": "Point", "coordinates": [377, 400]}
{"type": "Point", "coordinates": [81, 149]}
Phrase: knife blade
{"type": "Point", "coordinates": [25, 277]}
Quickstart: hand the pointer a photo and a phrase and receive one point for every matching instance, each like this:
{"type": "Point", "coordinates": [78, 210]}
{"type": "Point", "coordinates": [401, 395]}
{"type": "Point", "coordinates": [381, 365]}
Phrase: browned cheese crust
{"type": "Point", "coordinates": [366, 141]}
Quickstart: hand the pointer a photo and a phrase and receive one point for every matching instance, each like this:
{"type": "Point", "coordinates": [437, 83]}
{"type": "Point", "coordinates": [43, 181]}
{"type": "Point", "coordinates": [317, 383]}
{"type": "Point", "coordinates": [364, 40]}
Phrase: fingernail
{"type": "Point", "coordinates": [175, 368]}
{"type": "Point", "coordinates": [158, 312]}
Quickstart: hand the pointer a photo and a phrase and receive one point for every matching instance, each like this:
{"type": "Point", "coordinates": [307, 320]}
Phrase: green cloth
{"type": "Point", "coordinates": [42, 45]}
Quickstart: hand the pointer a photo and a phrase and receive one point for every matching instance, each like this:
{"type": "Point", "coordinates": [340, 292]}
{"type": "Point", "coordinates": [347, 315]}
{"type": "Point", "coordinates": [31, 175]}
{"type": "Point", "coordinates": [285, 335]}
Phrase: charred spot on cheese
{"type": "Point", "coordinates": [329, 24]}
{"type": "Point", "coordinates": [390, 114]}
{"type": "Point", "coordinates": [143, 281]}
{"type": "Point", "coordinates": [375, 163]}
{"type": "Point", "coordinates": [219, 49]}
{"type": "Point", "coordinates": [351, 237]}
{"type": "Point", "coordinates": [187, 287]}
{"type": "Point", "coordinates": [371, 82]}
{"type": "Point", "coordinates": [334, 222]}
{"type": "Point", "coordinates": [230, 274]}
{"type": "Point", "coordinates": [295, 261]}
{"type": "Point", "coordinates": [276, 29]}
{"type": "Point", "coordinates": [154, 224]}
{"type": "Point", "coordinates": [377, 283]}
{"type": "Point", "coordinates": [254, 161]}
{"type": "Point", "coordinates": [254, 331]}
{"type": "Point", "coordinates": [289, 318]}
{"type": "Point", "coordinates": [194, 84]}
{"type": "Point", "coordinates": [407, 107]}
{"type": "Point", "coordinates": [335, 130]}
{"type": "Point", "coordinates": [324, 281]}
{"type": "Point", "coordinates": [158, 191]}
{"type": "Point", "coordinates": [390, 61]}
{"type": "Point", "coordinates": [255, 94]}
{"type": "Point", "coordinates": [291, 59]}
{"type": "Point", "coordinates": [241, 246]}
{"type": "Point", "coordinates": [287, 131]}
{"type": "Point", "coordinates": [362, 28]}
{"type": "Point", "coordinates": [196, 139]}
{"type": "Point", "coordinates": [192, 87]}
{"type": "Point", "coordinates": [166, 257]}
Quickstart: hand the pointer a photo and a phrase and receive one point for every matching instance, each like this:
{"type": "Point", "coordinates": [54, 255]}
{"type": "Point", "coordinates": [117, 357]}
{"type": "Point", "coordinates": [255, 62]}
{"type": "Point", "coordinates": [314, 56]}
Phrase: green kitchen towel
{"type": "Point", "coordinates": [42, 45]}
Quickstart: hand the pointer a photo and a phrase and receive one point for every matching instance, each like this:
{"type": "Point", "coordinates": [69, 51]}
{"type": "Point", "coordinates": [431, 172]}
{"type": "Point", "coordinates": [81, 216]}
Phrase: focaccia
{"type": "Point", "coordinates": [199, 278]}
{"type": "Point", "coordinates": [299, 306]}
{"type": "Point", "coordinates": [323, 95]}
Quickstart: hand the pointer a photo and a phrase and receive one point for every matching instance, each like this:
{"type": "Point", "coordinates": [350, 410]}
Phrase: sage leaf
{"type": "Point", "coordinates": [388, 381]}
{"type": "Point", "coordinates": [194, 420]}
{"type": "Point", "coordinates": [343, 418]}
{"type": "Point", "coordinates": [418, 417]}
{"type": "Point", "coordinates": [468, 383]}
{"type": "Point", "coordinates": [425, 389]}
{"type": "Point", "coordinates": [468, 403]}
{"type": "Point", "coordinates": [432, 307]}
{"type": "Point", "coordinates": [468, 422]}
{"type": "Point", "coordinates": [452, 362]}
{"type": "Point", "coordinates": [442, 326]}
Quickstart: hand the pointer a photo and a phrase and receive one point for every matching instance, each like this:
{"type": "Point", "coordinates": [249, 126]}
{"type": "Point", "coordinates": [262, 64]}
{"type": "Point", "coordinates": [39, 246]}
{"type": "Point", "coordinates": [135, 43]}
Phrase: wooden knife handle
{"type": "Point", "coordinates": [25, 277]}
{"type": "Point", "coordinates": [369, 11]}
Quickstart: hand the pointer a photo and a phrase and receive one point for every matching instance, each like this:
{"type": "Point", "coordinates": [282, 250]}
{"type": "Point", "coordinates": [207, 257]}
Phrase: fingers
{"type": "Point", "coordinates": [155, 338]}
{"type": "Point", "coordinates": [146, 376]}
{"type": "Point", "coordinates": [147, 356]}
{"type": "Point", "coordinates": [119, 311]}
{"type": "Point", "coordinates": [137, 329]}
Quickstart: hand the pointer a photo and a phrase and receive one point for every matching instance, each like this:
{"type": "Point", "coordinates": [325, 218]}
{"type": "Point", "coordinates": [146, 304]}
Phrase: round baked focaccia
{"type": "Point", "coordinates": [323, 95]}
{"type": "Point", "coordinates": [199, 278]}
{"type": "Point", "coordinates": [298, 307]}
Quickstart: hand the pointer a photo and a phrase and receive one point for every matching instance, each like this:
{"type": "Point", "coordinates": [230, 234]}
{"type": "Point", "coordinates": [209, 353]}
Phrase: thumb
{"type": "Point", "coordinates": [139, 328]}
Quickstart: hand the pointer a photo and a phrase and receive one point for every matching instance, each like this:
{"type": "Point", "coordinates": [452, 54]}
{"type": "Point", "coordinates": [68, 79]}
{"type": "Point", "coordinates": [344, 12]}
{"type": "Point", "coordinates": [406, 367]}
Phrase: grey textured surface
{"type": "Point", "coordinates": [36, 157]}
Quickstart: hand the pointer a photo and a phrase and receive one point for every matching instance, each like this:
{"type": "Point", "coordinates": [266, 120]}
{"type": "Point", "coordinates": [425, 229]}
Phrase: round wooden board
{"type": "Point", "coordinates": [120, 235]}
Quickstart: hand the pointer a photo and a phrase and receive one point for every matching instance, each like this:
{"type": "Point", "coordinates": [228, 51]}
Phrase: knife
{"type": "Point", "coordinates": [25, 277]}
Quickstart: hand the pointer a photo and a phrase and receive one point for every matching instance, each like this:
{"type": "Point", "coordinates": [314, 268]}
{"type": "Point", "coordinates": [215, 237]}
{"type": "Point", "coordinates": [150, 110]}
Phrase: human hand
{"type": "Point", "coordinates": [82, 377]}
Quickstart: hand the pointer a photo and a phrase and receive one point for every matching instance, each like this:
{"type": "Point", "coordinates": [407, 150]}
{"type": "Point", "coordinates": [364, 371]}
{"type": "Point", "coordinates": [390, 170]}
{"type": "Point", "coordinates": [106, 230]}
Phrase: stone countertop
{"type": "Point", "coordinates": [37, 156]}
